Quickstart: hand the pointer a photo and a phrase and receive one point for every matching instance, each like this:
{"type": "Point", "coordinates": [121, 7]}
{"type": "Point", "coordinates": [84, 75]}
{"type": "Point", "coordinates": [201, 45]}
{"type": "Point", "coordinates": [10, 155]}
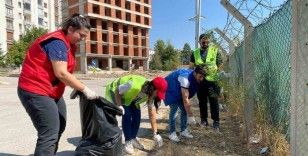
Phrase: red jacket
{"type": "Point", "coordinates": [37, 74]}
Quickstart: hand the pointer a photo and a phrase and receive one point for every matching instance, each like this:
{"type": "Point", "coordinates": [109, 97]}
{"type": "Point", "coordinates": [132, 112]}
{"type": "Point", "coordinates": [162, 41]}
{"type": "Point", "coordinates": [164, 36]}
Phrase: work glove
{"type": "Point", "coordinates": [158, 140]}
{"type": "Point", "coordinates": [122, 109]}
{"type": "Point", "coordinates": [192, 121]}
{"type": "Point", "coordinates": [90, 94]}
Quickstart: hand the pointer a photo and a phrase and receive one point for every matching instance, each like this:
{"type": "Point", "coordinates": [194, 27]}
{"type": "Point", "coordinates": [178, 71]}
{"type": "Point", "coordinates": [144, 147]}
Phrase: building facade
{"type": "Point", "coordinates": [23, 14]}
{"type": "Point", "coordinates": [119, 35]}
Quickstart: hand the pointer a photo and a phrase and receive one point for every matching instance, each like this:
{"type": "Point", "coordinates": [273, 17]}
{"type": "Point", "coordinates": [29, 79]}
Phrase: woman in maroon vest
{"type": "Point", "coordinates": [46, 70]}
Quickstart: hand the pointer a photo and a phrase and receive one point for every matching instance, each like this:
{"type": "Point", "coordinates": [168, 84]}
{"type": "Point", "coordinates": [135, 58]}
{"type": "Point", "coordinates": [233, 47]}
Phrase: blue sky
{"type": "Point", "coordinates": [170, 20]}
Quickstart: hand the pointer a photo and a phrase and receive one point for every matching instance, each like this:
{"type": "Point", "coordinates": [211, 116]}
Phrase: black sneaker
{"type": "Point", "coordinates": [216, 125]}
{"type": "Point", "coordinates": [204, 124]}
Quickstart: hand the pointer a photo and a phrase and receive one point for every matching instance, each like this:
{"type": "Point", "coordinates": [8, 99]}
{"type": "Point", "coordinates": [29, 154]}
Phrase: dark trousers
{"type": "Point", "coordinates": [131, 122]}
{"type": "Point", "coordinates": [49, 119]}
{"type": "Point", "coordinates": [208, 91]}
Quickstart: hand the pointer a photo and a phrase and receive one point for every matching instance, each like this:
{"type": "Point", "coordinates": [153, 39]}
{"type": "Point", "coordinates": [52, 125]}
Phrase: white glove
{"type": "Point", "coordinates": [90, 94]}
{"type": "Point", "coordinates": [158, 140]}
{"type": "Point", "coordinates": [122, 109]}
{"type": "Point", "coordinates": [192, 121]}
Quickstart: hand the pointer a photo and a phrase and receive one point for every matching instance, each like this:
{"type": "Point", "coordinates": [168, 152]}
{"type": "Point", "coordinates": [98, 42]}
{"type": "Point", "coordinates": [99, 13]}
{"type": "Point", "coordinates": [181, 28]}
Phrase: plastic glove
{"type": "Point", "coordinates": [192, 121]}
{"type": "Point", "coordinates": [158, 140]}
{"type": "Point", "coordinates": [90, 94]}
{"type": "Point", "coordinates": [122, 109]}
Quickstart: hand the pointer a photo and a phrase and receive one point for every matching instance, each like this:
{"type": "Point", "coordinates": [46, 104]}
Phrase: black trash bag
{"type": "Point", "coordinates": [100, 132]}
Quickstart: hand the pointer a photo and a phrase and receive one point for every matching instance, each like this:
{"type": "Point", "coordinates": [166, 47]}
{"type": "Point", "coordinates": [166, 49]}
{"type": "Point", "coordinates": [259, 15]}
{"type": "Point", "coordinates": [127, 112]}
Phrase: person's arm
{"type": "Point", "coordinates": [56, 52]}
{"type": "Point", "coordinates": [152, 114]}
{"type": "Point", "coordinates": [186, 101]}
{"type": "Point", "coordinates": [60, 71]}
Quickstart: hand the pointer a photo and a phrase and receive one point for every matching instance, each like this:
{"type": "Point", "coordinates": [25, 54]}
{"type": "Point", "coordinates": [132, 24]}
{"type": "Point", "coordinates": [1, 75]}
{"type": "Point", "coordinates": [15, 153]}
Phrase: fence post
{"type": "Point", "coordinates": [299, 79]}
{"type": "Point", "coordinates": [247, 70]}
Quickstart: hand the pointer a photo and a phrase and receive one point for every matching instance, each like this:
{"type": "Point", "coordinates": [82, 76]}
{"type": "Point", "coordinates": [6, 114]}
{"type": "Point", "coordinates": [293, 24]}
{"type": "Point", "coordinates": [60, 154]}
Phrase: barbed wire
{"type": "Point", "coordinates": [254, 10]}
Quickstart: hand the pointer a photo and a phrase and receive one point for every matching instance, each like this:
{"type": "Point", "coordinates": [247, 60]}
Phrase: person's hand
{"type": "Point", "coordinates": [158, 140]}
{"type": "Point", "coordinates": [192, 120]}
{"type": "Point", "coordinates": [122, 109]}
{"type": "Point", "coordinates": [90, 94]}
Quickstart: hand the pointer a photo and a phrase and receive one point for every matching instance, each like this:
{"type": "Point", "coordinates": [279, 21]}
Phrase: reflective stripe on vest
{"type": "Point", "coordinates": [210, 62]}
{"type": "Point", "coordinates": [129, 96]}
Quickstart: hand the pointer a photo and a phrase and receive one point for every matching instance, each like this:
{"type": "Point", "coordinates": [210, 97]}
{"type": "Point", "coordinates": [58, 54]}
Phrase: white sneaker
{"type": "Point", "coordinates": [186, 134]}
{"type": "Point", "coordinates": [128, 147]}
{"type": "Point", "coordinates": [174, 137]}
{"type": "Point", "coordinates": [137, 144]}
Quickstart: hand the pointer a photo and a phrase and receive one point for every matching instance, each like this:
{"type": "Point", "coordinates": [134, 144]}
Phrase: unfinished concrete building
{"type": "Point", "coordinates": [119, 35]}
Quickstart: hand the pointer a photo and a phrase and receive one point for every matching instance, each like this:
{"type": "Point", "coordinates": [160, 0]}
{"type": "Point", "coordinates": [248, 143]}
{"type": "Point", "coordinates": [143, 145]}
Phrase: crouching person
{"type": "Point", "coordinates": [129, 92]}
{"type": "Point", "coordinates": [182, 85]}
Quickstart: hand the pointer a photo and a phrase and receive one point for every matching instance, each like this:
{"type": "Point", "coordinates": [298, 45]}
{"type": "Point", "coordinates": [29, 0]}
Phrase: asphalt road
{"type": "Point", "coordinates": [18, 136]}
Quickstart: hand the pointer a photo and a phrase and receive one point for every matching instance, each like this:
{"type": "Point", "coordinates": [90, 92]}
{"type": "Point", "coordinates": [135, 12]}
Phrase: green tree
{"type": "Point", "coordinates": [2, 58]}
{"type": "Point", "coordinates": [170, 58]}
{"type": "Point", "coordinates": [16, 53]}
{"type": "Point", "coordinates": [156, 63]}
{"type": "Point", "coordinates": [165, 57]}
{"type": "Point", "coordinates": [185, 54]}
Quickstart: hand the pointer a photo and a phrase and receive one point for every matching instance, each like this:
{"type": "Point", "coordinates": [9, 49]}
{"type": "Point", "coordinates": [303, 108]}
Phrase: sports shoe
{"type": "Point", "coordinates": [216, 125]}
{"type": "Point", "coordinates": [128, 147]}
{"type": "Point", "coordinates": [174, 137]}
{"type": "Point", "coordinates": [186, 134]}
{"type": "Point", "coordinates": [137, 144]}
{"type": "Point", "coordinates": [204, 124]}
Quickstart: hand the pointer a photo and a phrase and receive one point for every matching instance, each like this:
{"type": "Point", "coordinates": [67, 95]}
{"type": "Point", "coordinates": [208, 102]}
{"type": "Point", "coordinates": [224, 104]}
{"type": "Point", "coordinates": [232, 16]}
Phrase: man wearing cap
{"type": "Point", "coordinates": [129, 93]}
{"type": "Point", "coordinates": [208, 56]}
{"type": "Point", "coordinates": [182, 85]}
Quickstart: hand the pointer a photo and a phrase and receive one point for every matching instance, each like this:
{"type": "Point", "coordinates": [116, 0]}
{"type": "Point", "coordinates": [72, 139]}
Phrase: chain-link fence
{"type": "Point", "coordinates": [262, 65]}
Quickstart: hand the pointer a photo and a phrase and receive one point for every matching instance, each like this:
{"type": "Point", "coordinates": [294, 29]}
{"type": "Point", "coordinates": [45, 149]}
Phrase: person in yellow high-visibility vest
{"type": "Point", "coordinates": [208, 56]}
{"type": "Point", "coordinates": [129, 93]}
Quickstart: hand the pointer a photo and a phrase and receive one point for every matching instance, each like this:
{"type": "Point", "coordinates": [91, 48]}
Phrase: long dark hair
{"type": "Point", "coordinates": [76, 21]}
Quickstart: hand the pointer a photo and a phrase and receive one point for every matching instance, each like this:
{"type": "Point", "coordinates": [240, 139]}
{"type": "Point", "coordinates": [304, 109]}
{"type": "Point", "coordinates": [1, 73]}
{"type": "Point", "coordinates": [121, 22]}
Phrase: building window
{"type": "Point", "coordinates": [146, 10]}
{"type": "Point", "coordinates": [118, 3]}
{"type": "Point", "coordinates": [40, 21]}
{"type": "Point", "coordinates": [19, 4]}
{"type": "Point", "coordinates": [45, 5]}
{"type": "Point", "coordinates": [45, 14]}
{"type": "Point", "coordinates": [20, 16]}
{"type": "Point", "coordinates": [107, 1]}
{"type": "Point", "coordinates": [9, 12]}
{"type": "Point", "coordinates": [9, 24]}
{"type": "Point", "coordinates": [20, 28]}
{"type": "Point", "coordinates": [27, 6]}
{"type": "Point", "coordinates": [8, 2]}
{"type": "Point", "coordinates": [127, 5]}
{"type": "Point", "coordinates": [39, 2]}
{"type": "Point", "coordinates": [137, 7]}
{"type": "Point", "coordinates": [138, 19]}
{"type": "Point", "coordinates": [146, 21]}
{"type": "Point", "coordinates": [146, 1]}
{"type": "Point", "coordinates": [118, 14]}
{"type": "Point", "coordinates": [108, 12]}
{"type": "Point", "coordinates": [128, 18]}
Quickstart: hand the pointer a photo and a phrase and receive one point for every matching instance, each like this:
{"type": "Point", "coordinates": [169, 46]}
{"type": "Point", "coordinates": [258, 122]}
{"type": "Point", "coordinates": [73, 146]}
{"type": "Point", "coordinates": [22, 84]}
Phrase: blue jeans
{"type": "Point", "coordinates": [131, 122]}
{"type": "Point", "coordinates": [172, 117]}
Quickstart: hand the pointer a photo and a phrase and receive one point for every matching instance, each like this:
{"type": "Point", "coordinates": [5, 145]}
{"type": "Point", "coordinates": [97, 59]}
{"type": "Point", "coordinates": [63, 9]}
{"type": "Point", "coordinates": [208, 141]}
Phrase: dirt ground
{"type": "Point", "coordinates": [206, 141]}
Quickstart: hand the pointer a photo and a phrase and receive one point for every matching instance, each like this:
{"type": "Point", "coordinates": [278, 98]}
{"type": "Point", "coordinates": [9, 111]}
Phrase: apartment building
{"type": "Point", "coordinates": [23, 14]}
{"type": "Point", "coordinates": [119, 35]}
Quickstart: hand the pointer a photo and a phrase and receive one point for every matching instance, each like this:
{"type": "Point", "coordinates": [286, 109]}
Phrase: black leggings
{"type": "Point", "coordinates": [49, 119]}
{"type": "Point", "coordinates": [208, 90]}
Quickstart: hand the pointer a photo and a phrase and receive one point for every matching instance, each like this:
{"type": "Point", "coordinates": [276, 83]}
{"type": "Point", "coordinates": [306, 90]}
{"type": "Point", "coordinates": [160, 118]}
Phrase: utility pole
{"type": "Point", "coordinates": [197, 19]}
